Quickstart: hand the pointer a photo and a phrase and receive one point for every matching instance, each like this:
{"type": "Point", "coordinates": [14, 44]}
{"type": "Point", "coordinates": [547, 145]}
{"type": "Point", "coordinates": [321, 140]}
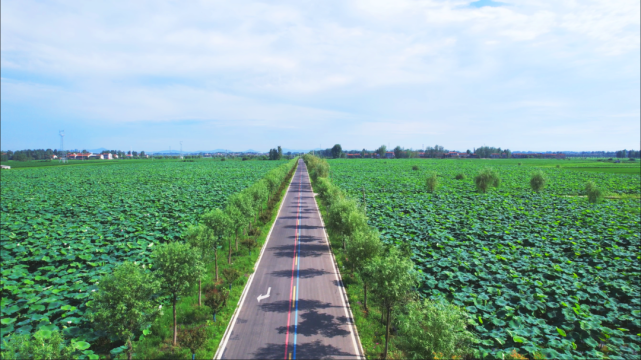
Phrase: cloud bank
{"type": "Point", "coordinates": [540, 75]}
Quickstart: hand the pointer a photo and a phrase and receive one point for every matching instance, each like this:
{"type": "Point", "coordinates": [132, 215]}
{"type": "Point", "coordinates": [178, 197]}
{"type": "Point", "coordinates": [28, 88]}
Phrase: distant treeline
{"type": "Point", "coordinates": [439, 151]}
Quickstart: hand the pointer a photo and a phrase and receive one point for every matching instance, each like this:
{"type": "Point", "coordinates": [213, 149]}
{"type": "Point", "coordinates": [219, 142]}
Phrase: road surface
{"type": "Point", "coordinates": [294, 305]}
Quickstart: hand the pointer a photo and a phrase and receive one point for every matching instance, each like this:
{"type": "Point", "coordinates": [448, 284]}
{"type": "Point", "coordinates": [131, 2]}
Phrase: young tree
{"type": "Point", "coordinates": [381, 151]}
{"type": "Point", "coordinates": [216, 299]}
{"type": "Point", "coordinates": [258, 193]}
{"type": "Point", "coordinates": [393, 277]}
{"type": "Point", "coordinates": [486, 178]}
{"type": "Point", "coordinates": [122, 304]}
{"type": "Point", "coordinates": [178, 266]}
{"type": "Point", "coordinates": [537, 182]}
{"type": "Point", "coordinates": [193, 338]}
{"type": "Point", "coordinates": [434, 330]}
{"type": "Point", "coordinates": [345, 218]}
{"type": "Point", "coordinates": [219, 224]}
{"type": "Point", "coordinates": [280, 152]}
{"type": "Point", "coordinates": [201, 239]}
{"type": "Point", "coordinates": [431, 182]}
{"type": "Point", "coordinates": [231, 275]}
{"type": "Point", "coordinates": [249, 243]}
{"type": "Point", "coordinates": [361, 249]}
{"type": "Point", "coordinates": [240, 216]}
{"type": "Point", "coordinates": [595, 195]}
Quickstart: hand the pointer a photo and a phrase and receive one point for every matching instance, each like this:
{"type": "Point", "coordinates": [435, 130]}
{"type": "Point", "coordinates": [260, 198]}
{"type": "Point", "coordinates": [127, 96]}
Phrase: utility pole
{"type": "Point", "coordinates": [181, 149]}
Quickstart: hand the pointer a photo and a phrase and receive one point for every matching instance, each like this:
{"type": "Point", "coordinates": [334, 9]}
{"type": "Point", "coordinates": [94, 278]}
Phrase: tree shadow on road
{"type": "Point", "coordinates": [315, 323]}
{"type": "Point", "coordinates": [307, 250]}
{"type": "Point", "coordinates": [313, 350]}
{"type": "Point", "coordinates": [282, 306]}
{"type": "Point", "coordinates": [303, 273]}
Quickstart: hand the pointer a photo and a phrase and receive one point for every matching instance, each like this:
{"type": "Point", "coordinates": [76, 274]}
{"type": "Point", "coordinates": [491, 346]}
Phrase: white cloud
{"type": "Point", "coordinates": [260, 61]}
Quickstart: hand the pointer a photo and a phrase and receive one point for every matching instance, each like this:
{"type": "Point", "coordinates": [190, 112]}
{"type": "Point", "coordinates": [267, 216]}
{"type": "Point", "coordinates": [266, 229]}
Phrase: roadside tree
{"type": "Point", "coordinates": [178, 266]}
{"type": "Point", "coordinates": [393, 277]}
{"type": "Point", "coordinates": [361, 249]}
{"type": "Point", "coordinates": [219, 226]}
{"type": "Point", "coordinates": [122, 305]}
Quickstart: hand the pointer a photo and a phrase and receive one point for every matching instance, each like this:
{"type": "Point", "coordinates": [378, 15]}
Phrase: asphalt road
{"type": "Point", "coordinates": [306, 314]}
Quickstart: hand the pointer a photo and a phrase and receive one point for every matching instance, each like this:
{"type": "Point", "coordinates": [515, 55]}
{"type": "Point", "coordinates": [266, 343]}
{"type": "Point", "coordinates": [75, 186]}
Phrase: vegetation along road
{"type": "Point", "coordinates": [294, 305]}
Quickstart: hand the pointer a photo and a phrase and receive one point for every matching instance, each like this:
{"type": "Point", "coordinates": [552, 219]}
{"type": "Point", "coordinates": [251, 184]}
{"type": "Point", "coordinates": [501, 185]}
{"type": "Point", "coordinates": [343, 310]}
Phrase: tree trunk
{"type": "Point", "coordinates": [216, 262]}
{"type": "Point", "coordinates": [130, 349]}
{"type": "Point", "coordinates": [387, 332]}
{"type": "Point", "coordinates": [365, 294]}
{"type": "Point", "coordinates": [382, 316]}
{"type": "Point", "coordinates": [175, 326]}
{"type": "Point", "coordinates": [199, 283]}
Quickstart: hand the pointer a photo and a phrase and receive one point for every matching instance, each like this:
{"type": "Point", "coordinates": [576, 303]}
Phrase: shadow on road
{"type": "Point", "coordinates": [315, 323]}
{"type": "Point", "coordinates": [313, 350]}
{"type": "Point", "coordinates": [307, 250]}
{"type": "Point", "coordinates": [282, 306]}
{"type": "Point", "coordinates": [303, 273]}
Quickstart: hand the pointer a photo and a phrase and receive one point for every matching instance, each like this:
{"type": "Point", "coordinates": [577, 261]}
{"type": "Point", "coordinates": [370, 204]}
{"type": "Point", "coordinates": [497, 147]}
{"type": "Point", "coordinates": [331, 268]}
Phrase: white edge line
{"type": "Point", "coordinates": [230, 326]}
{"type": "Point", "coordinates": [348, 310]}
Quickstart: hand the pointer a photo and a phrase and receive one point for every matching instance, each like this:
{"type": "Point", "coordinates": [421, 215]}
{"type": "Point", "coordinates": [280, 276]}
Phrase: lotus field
{"type": "Point", "coordinates": [544, 271]}
{"type": "Point", "coordinates": [62, 228]}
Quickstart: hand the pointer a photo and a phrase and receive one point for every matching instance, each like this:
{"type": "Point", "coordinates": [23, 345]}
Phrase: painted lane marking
{"type": "Point", "coordinates": [261, 297]}
{"type": "Point", "coordinates": [230, 327]}
{"type": "Point", "coordinates": [292, 288]}
{"type": "Point", "coordinates": [298, 229]}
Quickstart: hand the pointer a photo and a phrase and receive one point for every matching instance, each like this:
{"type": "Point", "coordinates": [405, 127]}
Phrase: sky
{"type": "Point", "coordinates": [531, 75]}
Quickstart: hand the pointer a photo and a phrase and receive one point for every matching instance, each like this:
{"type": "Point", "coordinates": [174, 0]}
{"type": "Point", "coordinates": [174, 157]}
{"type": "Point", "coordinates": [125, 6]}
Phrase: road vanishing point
{"type": "Point", "coordinates": [294, 305]}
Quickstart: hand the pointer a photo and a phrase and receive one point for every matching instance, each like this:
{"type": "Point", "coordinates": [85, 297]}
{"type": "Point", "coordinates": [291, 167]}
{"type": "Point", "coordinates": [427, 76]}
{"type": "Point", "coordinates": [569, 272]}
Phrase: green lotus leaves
{"type": "Point", "coordinates": [525, 256]}
{"type": "Point", "coordinates": [83, 220]}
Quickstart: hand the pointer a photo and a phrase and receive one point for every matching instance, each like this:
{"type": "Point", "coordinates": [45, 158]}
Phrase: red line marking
{"type": "Point", "coordinates": [291, 286]}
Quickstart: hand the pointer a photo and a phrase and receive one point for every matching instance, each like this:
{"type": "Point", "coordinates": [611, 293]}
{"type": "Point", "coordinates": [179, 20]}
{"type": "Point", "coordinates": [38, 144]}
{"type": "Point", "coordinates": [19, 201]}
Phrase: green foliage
{"type": "Point", "coordinates": [216, 298]}
{"type": "Point", "coordinates": [317, 167]}
{"type": "Point", "coordinates": [595, 195]}
{"type": "Point", "coordinates": [363, 246]}
{"type": "Point", "coordinates": [537, 181]}
{"type": "Point", "coordinates": [522, 264]}
{"type": "Point", "coordinates": [122, 305]}
{"type": "Point", "coordinates": [460, 176]}
{"type": "Point", "coordinates": [434, 330]}
{"type": "Point", "coordinates": [58, 240]}
{"type": "Point", "coordinates": [337, 151]}
{"type": "Point", "coordinates": [485, 179]}
{"type": "Point", "coordinates": [178, 266]}
{"type": "Point", "coordinates": [392, 277]}
{"type": "Point", "coordinates": [249, 244]}
{"type": "Point", "coordinates": [431, 182]}
{"type": "Point", "coordinates": [193, 337]}
{"type": "Point", "coordinates": [345, 218]}
{"type": "Point", "coordinates": [231, 275]}
{"type": "Point", "coordinates": [42, 345]}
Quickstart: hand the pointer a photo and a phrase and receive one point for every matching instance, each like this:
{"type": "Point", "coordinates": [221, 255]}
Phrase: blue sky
{"type": "Point", "coordinates": [527, 75]}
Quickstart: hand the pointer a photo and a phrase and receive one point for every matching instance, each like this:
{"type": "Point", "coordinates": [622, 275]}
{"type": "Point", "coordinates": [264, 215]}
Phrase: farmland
{"type": "Point", "coordinates": [64, 227]}
{"type": "Point", "coordinates": [535, 271]}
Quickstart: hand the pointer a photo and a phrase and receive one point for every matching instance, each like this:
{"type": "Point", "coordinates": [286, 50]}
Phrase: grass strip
{"type": "Point", "coordinates": [371, 328]}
